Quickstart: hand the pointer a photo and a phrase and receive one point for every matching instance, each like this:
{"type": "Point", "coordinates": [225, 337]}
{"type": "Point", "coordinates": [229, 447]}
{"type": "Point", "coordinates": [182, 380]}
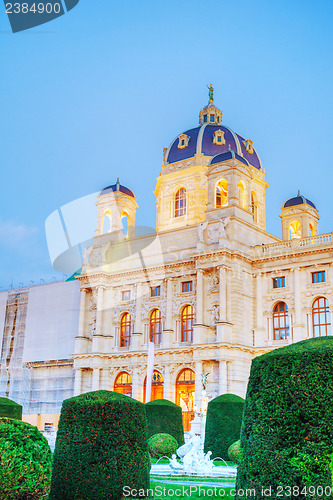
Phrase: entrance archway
{"type": "Point", "coordinates": [156, 387]}
{"type": "Point", "coordinates": [185, 387]}
{"type": "Point", "coordinates": [123, 384]}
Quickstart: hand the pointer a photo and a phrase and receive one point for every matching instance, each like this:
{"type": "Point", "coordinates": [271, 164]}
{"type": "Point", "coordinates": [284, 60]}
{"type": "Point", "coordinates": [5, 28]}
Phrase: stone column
{"type": "Point", "coordinates": [223, 378]}
{"type": "Point", "coordinates": [298, 329]}
{"type": "Point", "coordinates": [260, 338]}
{"type": "Point", "coordinates": [200, 298]}
{"type": "Point", "coordinates": [136, 389]}
{"type": "Point", "coordinates": [77, 382]}
{"type": "Point", "coordinates": [138, 323]}
{"type": "Point", "coordinates": [270, 330]}
{"type": "Point", "coordinates": [81, 331]}
{"type": "Point", "coordinates": [99, 311]}
{"type": "Point", "coordinates": [169, 297]}
{"type": "Point", "coordinates": [223, 294]}
{"type": "Point", "coordinates": [95, 379]}
{"type": "Point", "coordinates": [198, 383]}
{"type": "Point", "coordinates": [167, 386]}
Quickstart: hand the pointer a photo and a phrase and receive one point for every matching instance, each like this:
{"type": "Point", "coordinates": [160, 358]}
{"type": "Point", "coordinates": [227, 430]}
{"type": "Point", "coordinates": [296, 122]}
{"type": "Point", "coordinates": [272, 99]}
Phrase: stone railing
{"type": "Point", "coordinates": [296, 244]}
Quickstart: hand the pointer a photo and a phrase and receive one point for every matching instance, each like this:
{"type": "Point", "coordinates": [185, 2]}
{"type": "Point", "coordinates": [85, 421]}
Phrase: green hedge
{"type": "Point", "coordinates": [101, 446]}
{"type": "Point", "coordinates": [25, 461]}
{"type": "Point", "coordinates": [287, 431]}
{"type": "Point", "coordinates": [9, 408]}
{"type": "Point", "coordinates": [223, 424]}
{"type": "Point", "coordinates": [165, 417]}
{"type": "Point", "coordinates": [162, 445]}
{"type": "Point", "coordinates": [233, 451]}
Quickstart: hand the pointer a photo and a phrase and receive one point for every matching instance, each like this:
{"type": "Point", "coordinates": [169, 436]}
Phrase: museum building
{"type": "Point", "coordinates": [210, 288]}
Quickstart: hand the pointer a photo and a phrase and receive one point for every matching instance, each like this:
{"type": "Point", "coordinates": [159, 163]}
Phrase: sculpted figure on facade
{"type": "Point", "coordinates": [215, 314]}
{"type": "Point", "coordinates": [223, 222]}
{"type": "Point", "coordinates": [201, 228]}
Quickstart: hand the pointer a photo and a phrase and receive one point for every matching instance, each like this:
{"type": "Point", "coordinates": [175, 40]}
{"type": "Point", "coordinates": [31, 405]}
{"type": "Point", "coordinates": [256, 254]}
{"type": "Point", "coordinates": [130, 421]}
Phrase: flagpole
{"type": "Point", "coordinates": [150, 369]}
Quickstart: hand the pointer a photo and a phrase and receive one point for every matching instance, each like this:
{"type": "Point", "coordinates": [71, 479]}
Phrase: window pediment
{"type": "Point", "coordinates": [183, 141]}
{"type": "Point", "coordinates": [249, 146]}
{"type": "Point", "coordinates": [219, 138]}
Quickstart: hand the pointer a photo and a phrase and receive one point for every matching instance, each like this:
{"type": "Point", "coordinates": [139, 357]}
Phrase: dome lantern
{"type": "Point", "coordinates": [210, 113]}
{"type": "Point", "coordinates": [299, 218]}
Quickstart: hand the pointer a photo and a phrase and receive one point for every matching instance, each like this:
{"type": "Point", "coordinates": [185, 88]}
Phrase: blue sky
{"type": "Point", "coordinates": [75, 89]}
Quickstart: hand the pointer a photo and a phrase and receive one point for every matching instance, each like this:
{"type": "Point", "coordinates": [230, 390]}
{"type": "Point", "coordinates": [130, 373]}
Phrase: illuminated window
{"type": "Point", "coordinates": [319, 277]}
{"type": "Point", "coordinates": [185, 390]}
{"type": "Point", "coordinates": [123, 384]}
{"type": "Point", "coordinates": [156, 387]}
{"type": "Point", "coordinates": [126, 295]}
{"type": "Point", "coordinates": [155, 291]}
{"type": "Point", "coordinates": [180, 202]}
{"type": "Point", "coordinates": [241, 194]}
{"type": "Point", "coordinates": [294, 229]}
{"type": "Point", "coordinates": [281, 321]}
{"type": "Point", "coordinates": [254, 207]}
{"type": "Point", "coordinates": [311, 229]}
{"type": "Point", "coordinates": [221, 194]}
{"type": "Point", "coordinates": [279, 282]}
{"type": "Point", "coordinates": [187, 286]}
{"type": "Point", "coordinates": [155, 326]}
{"type": "Point", "coordinates": [125, 330]}
{"type": "Point", "coordinates": [187, 324]}
{"type": "Point", "coordinates": [321, 318]}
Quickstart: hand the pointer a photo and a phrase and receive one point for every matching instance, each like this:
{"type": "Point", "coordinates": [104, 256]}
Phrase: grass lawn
{"type": "Point", "coordinates": [169, 491]}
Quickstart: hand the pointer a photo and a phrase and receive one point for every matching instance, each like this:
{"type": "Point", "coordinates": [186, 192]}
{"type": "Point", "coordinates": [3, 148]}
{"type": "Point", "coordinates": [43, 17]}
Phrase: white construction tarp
{"type": "Point", "coordinates": [52, 321]}
{"type": "Point", "coordinates": [3, 304]}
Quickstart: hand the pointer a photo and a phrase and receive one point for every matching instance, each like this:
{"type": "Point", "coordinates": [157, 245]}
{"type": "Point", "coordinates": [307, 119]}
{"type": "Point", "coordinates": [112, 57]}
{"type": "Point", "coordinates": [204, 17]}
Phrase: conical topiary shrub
{"type": "Point", "coordinates": [287, 430]}
{"type": "Point", "coordinates": [223, 424]}
{"type": "Point", "coordinates": [101, 447]}
{"type": "Point", "coordinates": [165, 417]}
{"type": "Point", "coordinates": [9, 408]}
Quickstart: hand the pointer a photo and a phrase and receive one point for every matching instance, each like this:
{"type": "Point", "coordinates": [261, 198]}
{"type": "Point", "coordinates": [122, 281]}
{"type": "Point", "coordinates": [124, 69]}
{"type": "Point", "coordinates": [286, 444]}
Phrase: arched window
{"type": "Point", "coordinates": [123, 384]}
{"type": "Point", "coordinates": [187, 324]}
{"type": "Point", "coordinates": [155, 326]}
{"type": "Point", "coordinates": [107, 224]}
{"type": "Point", "coordinates": [221, 194]}
{"type": "Point", "coordinates": [254, 206]}
{"type": "Point", "coordinates": [185, 387]}
{"type": "Point", "coordinates": [242, 194]}
{"type": "Point", "coordinates": [312, 230]}
{"type": "Point", "coordinates": [156, 387]}
{"type": "Point", "coordinates": [281, 321]}
{"type": "Point", "coordinates": [294, 229]}
{"type": "Point", "coordinates": [125, 330]}
{"type": "Point", "coordinates": [124, 223]}
{"type": "Point", "coordinates": [180, 202]}
{"type": "Point", "coordinates": [321, 318]}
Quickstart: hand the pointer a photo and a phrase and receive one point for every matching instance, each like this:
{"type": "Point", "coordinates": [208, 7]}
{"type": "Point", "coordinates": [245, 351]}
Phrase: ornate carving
{"type": "Point", "coordinates": [214, 314]}
{"type": "Point", "coordinates": [201, 229]}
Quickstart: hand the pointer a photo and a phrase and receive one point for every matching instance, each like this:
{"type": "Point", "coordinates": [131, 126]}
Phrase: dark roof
{"type": "Point", "coordinates": [228, 156]}
{"type": "Point", "coordinates": [117, 188]}
{"type": "Point", "coordinates": [201, 141]}
{"type": "Point", "coordinates": [298, 200]}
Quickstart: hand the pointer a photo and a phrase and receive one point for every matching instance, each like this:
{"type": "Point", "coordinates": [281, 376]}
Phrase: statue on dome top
{"type": "Point", "coordinates": [211, 92]}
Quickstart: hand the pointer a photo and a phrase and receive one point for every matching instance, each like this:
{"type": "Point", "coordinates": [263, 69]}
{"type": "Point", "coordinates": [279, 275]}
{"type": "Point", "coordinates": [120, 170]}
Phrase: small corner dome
{"type": "Point", "coordinates": [298, 200]}
{"type": "Point", "coordinates": [117, 188]}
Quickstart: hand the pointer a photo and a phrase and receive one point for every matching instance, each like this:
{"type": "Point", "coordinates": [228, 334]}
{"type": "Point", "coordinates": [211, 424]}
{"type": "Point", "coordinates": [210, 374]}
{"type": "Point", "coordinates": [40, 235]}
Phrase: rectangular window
{"type": "Point", "coordinates": [155, 291]}
{"type": "Point", "coordinates": [126, 295]}
{"type": "Point", "coordinates": [205, 118]}
{"type": "Point", "coordinates": [212, 118]}
{"type": "Point", "coordinates": [319, 277]}
{"type": "Point", "coordinates": [187, 286]}
{"type": "Point", "coordinates": [279, 282]}
{"type": "Point", "coordinates": [48, 427]}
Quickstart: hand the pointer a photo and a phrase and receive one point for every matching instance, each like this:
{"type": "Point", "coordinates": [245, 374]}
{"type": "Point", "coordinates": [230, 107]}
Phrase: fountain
{"type": "Point", "coordinates": [193, 460]}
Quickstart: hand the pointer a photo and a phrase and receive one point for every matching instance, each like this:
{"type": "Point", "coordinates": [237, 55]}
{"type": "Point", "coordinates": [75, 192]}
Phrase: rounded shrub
{"type": "Point", "coordinates": [25, 461]}
{"type": "Point", "coordinates": [223, 424]}
{"type": "Point", "coordinates": [287, 431]}
{"type": "Point", "coordinates": [162, 445]}
{"type": "Point", "coordinates": [165, 417]}
{"type": "Point", "coordinates": [101, 447]}
{"type": "Point", "coordinates": [233, 451]}
{"type": "Point", "coordinates": [9, 408]}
